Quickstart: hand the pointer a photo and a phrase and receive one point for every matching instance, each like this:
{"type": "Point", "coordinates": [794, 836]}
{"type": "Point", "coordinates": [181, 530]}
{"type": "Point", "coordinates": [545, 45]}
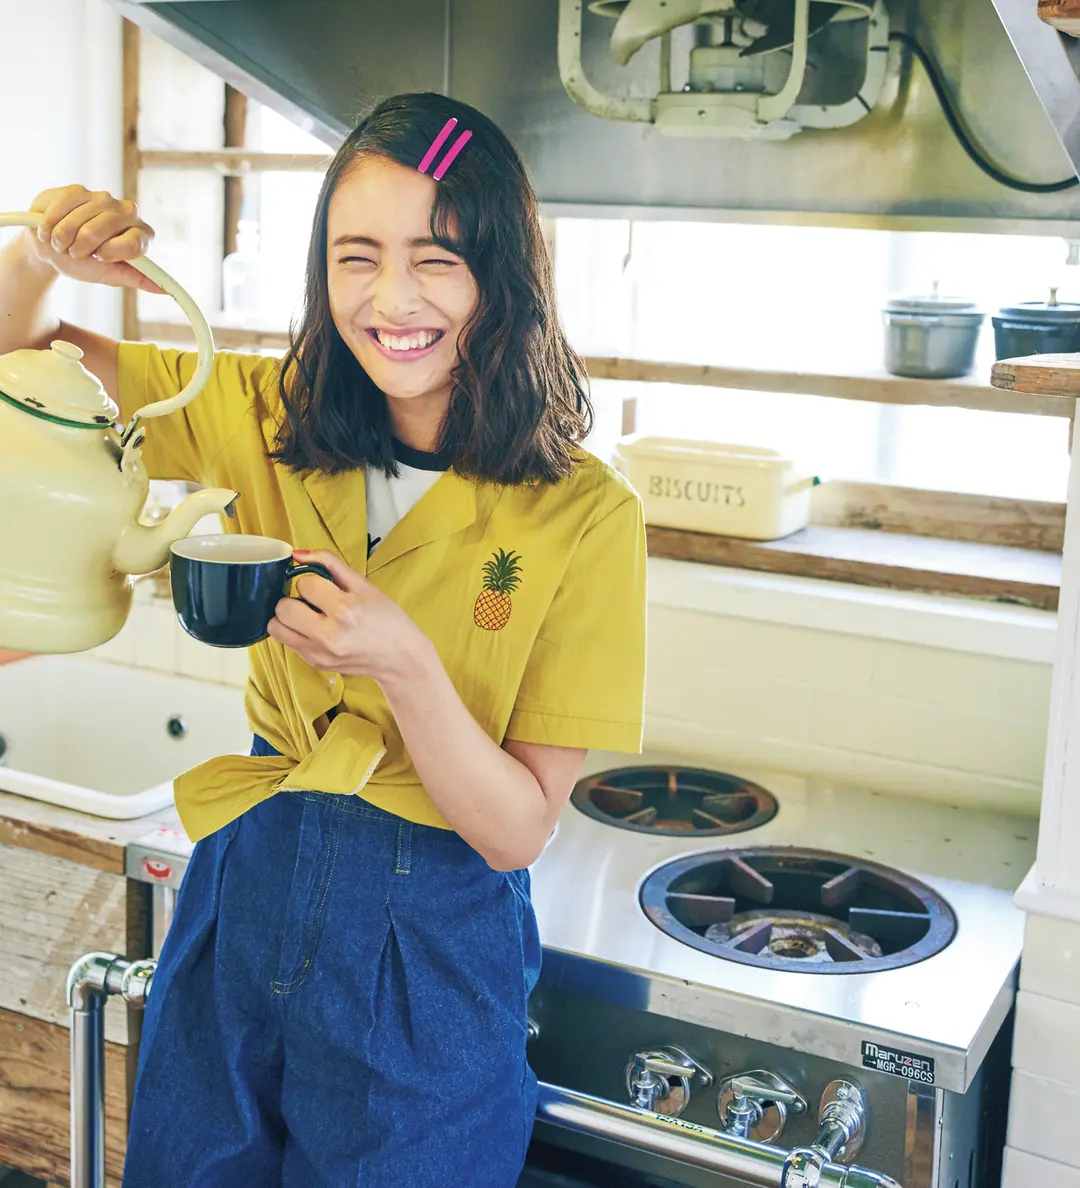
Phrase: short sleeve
{"type": "Point", "coordinates": [584, 683]}
{"type": "Point", "coordinates": [183, 444]}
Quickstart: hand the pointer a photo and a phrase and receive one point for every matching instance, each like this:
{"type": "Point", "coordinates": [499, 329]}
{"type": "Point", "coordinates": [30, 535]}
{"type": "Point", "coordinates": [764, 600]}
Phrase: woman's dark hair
{"type": "Point", "coordinates": [519, 403]}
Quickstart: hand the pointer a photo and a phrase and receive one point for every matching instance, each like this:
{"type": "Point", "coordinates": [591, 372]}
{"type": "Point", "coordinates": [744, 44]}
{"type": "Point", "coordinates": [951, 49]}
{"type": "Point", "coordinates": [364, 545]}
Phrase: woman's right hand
{"type": "Point", "coordinates": [89, 235]}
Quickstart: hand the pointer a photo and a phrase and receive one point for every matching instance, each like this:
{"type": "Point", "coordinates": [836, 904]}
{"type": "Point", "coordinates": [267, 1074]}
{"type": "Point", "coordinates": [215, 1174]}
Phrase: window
{"type": "Point", "coordinates": [234, 233]}
{"type": "Point", "coordinates": [231, 187]}
{"type": "Point", "coordinates": [809, 299]}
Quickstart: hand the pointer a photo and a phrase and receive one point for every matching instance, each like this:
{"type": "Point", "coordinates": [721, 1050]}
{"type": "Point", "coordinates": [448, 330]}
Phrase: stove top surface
{"type": "Point", "coordinates": [945, 1008]}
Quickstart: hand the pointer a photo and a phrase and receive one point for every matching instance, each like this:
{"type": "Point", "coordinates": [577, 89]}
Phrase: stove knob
{"type": "Point", "coordinates": [755, 1105]}
{"type": "Point", "coordinates": [659, 1080]}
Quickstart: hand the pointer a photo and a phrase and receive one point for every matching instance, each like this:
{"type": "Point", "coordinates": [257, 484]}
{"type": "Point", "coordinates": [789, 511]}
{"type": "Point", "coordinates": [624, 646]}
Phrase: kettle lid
{"type": "Point", "coordinates": [53, 384]}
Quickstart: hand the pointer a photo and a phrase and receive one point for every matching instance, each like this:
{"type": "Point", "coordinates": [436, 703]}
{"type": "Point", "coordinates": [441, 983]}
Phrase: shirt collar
{"type": "Point", "coordinates": [420, 459]}
{"type": "Point", "coordinates": [340, 499]}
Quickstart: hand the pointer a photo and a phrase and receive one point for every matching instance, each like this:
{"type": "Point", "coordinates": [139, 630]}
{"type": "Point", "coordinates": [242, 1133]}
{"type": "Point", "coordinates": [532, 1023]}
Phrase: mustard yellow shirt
{"type": "Point", "coordinates": [564, 668]}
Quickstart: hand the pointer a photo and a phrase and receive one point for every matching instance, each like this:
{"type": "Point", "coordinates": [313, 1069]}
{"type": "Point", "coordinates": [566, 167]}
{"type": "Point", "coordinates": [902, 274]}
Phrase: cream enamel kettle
{"type": "Point", "coordinates": [72, 488]}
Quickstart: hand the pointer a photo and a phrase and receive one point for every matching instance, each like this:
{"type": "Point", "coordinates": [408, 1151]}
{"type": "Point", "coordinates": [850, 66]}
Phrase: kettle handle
{"type": "Point", "coordinates": [204, 339]}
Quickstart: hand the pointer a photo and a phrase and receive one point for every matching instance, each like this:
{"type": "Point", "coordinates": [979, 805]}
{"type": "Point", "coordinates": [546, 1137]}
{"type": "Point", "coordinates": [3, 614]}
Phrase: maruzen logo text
{"type": "Point", "coordinates": [916, 1068]}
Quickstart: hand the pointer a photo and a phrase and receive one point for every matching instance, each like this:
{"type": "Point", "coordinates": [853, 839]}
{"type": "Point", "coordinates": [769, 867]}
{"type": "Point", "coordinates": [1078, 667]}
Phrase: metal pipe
{"type": "Point", "coordinates": [87, 1105]}
{"type": "Point", "coordinates": [90, 981]}
{"type": "Point", "coordinates": [674, 1138]}
{"type": "Point", "coordinates": [97, 975]}
{"type": "Point", "coordinates": [86, 997]}
{"type": "Point", "coordinates": [162, 907]}
{"type": "Point", "coordinates": [576, 82]}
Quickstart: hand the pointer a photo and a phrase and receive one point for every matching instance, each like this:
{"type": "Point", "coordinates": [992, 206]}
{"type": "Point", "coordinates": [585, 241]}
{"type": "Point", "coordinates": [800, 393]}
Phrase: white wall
{"type": "Point", "coordinates": [929, 722]}
{"type": "Point", "coordinates": [931, 716]}
{"type": "Point", "coordinates": [1045, 1103]}
{"type": "Point", "coordinates": [60, 119]}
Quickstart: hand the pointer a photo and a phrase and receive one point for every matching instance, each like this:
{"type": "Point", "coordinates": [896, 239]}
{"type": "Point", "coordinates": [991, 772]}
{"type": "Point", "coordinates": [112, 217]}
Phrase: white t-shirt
{"type": "Point", "coordinates": [389, 499]}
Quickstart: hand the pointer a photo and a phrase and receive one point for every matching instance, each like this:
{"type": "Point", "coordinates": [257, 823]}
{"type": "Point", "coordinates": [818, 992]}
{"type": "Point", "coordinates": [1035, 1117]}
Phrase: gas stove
{"type": "Point", "coordinates": [755, 978]}
{"type": "Point", "coordinates": [760, 929]}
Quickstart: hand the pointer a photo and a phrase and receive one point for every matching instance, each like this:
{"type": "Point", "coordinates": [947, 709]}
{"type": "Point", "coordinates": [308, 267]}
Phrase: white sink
{"type": "Point", "coordinates": [88, 735]}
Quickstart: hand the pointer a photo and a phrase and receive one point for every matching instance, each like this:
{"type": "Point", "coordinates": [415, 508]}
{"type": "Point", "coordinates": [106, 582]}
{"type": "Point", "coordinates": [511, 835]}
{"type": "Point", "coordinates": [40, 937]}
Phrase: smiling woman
{"type": "Point", "coordinates": [342, 994]}
{"type": "Point", "coordinates": [434, 294]}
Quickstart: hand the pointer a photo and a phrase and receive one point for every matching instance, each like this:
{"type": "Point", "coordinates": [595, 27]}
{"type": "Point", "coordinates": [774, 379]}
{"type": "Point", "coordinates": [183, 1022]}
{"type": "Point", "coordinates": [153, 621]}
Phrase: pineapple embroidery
{"type": "Point", "coordinates": [502, 576]}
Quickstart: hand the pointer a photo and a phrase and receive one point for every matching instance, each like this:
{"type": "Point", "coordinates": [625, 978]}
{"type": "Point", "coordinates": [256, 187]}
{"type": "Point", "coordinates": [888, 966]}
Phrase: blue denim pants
{"type": "Point", "coordinates": [340, 1000]}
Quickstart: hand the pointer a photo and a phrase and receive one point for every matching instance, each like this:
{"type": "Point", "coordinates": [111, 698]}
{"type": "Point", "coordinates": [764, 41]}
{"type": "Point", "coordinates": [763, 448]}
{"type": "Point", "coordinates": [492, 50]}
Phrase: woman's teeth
{"type": "Point", "coordinates": [411, 342]}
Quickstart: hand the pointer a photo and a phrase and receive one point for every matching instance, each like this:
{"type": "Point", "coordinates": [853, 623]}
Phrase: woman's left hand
{"type": "Point", "coordinates": [355, 630]}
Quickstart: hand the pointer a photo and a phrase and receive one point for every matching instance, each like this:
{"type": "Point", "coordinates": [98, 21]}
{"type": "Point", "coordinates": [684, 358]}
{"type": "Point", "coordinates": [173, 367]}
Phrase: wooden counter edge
{"type": "Point", "coordinates": [1064, 15]}
{"type": "Point", "coordinates": [1039, 375]}
{"type": "Point", "coordinates": [77, 837]}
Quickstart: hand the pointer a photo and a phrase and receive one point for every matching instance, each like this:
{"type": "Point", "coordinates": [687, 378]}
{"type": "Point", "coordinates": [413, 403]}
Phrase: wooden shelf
{"type": "Point", "coordinates": [225, 337]}
{"type": "Point", "coordinates": [876, 386]}
{"type": "Point", "coordinates": [1054, 377]}
{"type": "Point", "coordinates": [872, 534]}
{"type": "Point", "coordinates": [944, 515]}
{"type": "Point", "coordinates": [867, 557]}
{"type": "Point", "coordinates": [1064, 15]}
{"type": "Point", "coordinates": [234, 162]}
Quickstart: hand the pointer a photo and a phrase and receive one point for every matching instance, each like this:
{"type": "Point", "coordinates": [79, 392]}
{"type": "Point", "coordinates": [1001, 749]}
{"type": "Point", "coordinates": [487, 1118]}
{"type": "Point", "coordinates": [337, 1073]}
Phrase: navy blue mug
{"type": "Point", "coordinates": [226, 588]}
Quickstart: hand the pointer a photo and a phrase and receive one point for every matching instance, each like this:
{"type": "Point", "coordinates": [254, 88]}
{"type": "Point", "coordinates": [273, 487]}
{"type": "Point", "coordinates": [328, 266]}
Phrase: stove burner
{"type": "Point", "coordinates": [798, 936]}
{"type": "Point", "coordinates": [825, 913]}
{"type": "Point", "coordinates": [674, 800]}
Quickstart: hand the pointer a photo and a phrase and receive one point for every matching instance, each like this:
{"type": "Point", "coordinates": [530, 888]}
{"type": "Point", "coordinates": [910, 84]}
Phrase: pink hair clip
{"type": "Point", "coordinates": [437, 144]}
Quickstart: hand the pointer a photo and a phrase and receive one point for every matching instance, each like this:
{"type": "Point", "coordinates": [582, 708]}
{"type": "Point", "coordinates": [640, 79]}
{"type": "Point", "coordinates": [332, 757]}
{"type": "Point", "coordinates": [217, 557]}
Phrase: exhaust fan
{"type": "Point", "coordinates": [758, 69]}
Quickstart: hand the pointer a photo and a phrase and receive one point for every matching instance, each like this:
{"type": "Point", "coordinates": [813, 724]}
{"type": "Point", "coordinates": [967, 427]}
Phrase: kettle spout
{"type": "Point", "coordinates": [143, 549]}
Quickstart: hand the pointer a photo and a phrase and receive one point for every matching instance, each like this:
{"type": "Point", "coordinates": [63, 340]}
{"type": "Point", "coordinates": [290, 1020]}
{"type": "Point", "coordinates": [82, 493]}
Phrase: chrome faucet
{"type": "Point", "coordinates": [841, 1127]}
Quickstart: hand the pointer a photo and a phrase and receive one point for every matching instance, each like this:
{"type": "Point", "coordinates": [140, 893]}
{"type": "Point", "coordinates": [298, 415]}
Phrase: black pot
{"type": "Point", "coordinates": [1037, 328]}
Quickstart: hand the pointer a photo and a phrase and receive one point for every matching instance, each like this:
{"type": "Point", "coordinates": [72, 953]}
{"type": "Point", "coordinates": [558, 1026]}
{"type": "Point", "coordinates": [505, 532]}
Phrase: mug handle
{"type": "Point", "coordinates": [295, 571]}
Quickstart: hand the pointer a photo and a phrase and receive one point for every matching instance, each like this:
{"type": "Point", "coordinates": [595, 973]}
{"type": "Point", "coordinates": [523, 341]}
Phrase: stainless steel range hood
{"type": "Point", "coordinates": [1052, 63]}
{"type": "Point", "coordinates": [321, 62]}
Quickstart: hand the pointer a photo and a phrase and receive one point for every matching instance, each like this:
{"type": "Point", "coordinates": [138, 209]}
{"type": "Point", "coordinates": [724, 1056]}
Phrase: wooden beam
{"type": "Point", "coordinates": [874, 386]}
{"type": "Point", "coordinates": [130, 99]}
{"type": "Point", "coordinates": [868, 558]}
{"type": "Point", "coordinates": [234, 162]}
{"type": "Point", "coordinates": [236, 109]}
